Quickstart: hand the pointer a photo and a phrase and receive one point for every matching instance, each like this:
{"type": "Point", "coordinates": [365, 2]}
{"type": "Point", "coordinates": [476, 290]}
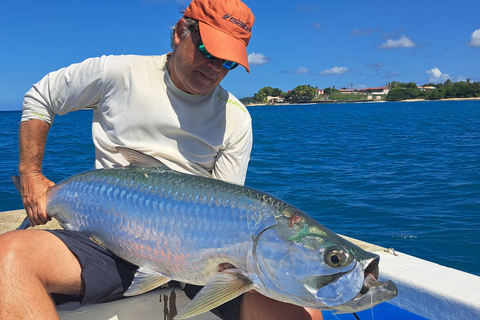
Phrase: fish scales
{"type": "Point", "coordinates": [182, 234]}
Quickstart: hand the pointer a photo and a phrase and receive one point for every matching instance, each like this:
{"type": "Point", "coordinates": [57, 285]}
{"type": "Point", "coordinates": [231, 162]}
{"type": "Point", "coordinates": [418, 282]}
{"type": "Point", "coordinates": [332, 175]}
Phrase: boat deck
{"type": "Point", "coordinates": [426, 290]}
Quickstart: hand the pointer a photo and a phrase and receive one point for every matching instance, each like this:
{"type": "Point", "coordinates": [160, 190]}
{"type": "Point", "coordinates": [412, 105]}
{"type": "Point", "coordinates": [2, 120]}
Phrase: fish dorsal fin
{"type": "Point", "coordinates": [145, 279]}
{"type": "Point", "coordinates": [16, 182]}
{"type": "Point", "coordinates": [139, 159]}
{"type": "Point", "coordinates": [220, 288]}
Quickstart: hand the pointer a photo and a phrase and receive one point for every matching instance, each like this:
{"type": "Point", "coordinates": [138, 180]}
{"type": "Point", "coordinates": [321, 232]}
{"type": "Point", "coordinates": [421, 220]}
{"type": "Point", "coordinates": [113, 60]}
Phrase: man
{"type": "Point", "coordinates": [170, 107]}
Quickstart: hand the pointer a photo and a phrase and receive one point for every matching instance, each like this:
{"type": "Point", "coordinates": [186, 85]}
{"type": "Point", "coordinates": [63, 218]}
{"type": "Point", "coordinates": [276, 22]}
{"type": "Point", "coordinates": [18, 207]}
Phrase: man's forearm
{"type": "Point", "coordinates": [33, 136]}
{"type": "Point", "coordinates": [34, 185]}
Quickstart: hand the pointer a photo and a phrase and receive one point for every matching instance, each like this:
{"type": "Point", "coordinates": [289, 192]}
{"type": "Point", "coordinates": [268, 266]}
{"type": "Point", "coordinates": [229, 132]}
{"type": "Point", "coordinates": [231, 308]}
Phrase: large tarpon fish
{"type": "Point", "coordinates": [176, 226]}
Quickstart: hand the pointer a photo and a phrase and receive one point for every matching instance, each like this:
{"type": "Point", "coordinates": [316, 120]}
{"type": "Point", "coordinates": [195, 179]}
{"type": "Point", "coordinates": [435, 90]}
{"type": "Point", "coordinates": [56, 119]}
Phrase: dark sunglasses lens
{"type": "Point", "coordinates": [205, 52]}
{"type": "Point", "coordinates": [230, 65]}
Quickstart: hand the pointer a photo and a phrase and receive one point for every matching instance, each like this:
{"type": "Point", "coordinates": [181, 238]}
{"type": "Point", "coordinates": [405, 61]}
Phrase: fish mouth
{"type": "Point", "coordinates": [371, 277]}
{"type": "Point", "coordinates": [354, 290]}
{"type": "Point", "coordinates": [372, 293]}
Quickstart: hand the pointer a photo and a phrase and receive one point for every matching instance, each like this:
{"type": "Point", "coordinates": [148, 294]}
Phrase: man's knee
{"type": "Point", "coordinates": [38, 255]}
{"type": "Point", "coordinates": [12, 253]}
{"type": "Point", "coordinates": [22, 292]}
{"type": "Point", "coordinates": [256, 306]}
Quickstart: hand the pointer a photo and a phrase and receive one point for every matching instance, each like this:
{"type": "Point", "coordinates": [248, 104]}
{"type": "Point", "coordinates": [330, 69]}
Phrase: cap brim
{"type": "Point", "coordinates": [223, 46]}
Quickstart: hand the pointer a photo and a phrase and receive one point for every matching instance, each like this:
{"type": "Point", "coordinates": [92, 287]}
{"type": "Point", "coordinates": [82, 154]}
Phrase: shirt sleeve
{"type": "Point", "coordinates": [68, 89]}
{"type": "Point", "coordinates": [232, 162]}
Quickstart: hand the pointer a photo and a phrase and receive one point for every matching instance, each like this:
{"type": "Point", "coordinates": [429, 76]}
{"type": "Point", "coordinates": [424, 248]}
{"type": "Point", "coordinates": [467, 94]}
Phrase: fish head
{"type": "Point", "coordinates": [299, 261]}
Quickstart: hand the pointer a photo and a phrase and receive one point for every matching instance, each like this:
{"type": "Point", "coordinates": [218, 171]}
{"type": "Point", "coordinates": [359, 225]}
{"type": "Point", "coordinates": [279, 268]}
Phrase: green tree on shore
{"type": "Point", "coordinates": [446, 90]}
{"type": "Point", "coordinates": [302, 93]}
{"type": "Point", "coordinates": [330, 90]}
{"type": "Point", "coordinates": [398, 91]}
{"type": "Point", "coordinates": [262, 94]}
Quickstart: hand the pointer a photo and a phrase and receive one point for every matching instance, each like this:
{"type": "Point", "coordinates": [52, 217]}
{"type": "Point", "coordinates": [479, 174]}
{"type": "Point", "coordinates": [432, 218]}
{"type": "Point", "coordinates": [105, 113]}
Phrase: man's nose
{"type": "Point", "coordinates": [216, 64]}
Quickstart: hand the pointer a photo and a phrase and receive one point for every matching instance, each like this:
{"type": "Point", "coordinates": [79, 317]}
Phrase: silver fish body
{"type": "Point", "coordinates": [182, 227]}
{"type": "Point", "coordinates": [158, 217]}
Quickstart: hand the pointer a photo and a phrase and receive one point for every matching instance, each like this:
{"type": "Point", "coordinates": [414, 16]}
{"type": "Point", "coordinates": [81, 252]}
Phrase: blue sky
{"type": "Point", "coordinates": [320, 43]}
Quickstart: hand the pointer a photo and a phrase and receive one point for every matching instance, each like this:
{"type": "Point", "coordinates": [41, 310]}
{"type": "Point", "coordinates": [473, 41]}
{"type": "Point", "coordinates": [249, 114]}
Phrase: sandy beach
{"type": "Point", "coordinates": [454, 99]}
{"type": "Point", "coordinates": [331, 101]}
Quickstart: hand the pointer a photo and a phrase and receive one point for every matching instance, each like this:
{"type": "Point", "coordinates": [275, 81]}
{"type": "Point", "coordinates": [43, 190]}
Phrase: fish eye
{"type": "Point", "coordinates": [335, 257]}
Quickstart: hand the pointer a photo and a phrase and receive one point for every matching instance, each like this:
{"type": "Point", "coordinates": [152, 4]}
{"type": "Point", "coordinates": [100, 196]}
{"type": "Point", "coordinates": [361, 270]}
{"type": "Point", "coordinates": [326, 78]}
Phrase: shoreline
{"type": "Point", "coordinates": [452, 99]}
{"type": "Point", "coordinates": [332, 101]}
{"type": "Point", "coordinates": [353, 101]}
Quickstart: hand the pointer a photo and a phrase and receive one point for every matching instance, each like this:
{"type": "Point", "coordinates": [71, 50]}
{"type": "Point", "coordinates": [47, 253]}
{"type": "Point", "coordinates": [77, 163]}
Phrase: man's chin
{"type": "Point", "coordinates": [201, 87]}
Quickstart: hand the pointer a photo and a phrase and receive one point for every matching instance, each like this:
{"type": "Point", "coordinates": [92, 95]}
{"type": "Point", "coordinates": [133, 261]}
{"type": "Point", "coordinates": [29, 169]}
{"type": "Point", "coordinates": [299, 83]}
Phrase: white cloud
{"type": "Point", "coordinates": [299, 70]}
{"type": "Point", "coordinates": [475, 39]}
{"type": "Point", "coordinates": [437, 76]}
{"type": "Point", "coordinates": [334, 71]}
{"type": "Point", "coordinates": [302, 70]}
{"type": "Point", "coordinates": [403, 42]}
{"type": "Point", "coordinates": [256, 59]}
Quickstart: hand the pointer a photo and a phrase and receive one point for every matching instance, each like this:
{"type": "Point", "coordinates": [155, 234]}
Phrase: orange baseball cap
{"type": "Point", "coordinates": [225, 28]}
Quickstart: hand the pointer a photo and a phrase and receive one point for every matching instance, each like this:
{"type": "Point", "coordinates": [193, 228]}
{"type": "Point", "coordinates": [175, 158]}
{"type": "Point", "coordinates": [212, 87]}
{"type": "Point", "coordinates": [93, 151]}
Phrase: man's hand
{"type": "Point", "coordinates": [34, 193]}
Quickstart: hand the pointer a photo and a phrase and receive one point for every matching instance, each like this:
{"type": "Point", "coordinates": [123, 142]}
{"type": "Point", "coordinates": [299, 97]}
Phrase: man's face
{"type": "Point", "coordinates": [189, 69]}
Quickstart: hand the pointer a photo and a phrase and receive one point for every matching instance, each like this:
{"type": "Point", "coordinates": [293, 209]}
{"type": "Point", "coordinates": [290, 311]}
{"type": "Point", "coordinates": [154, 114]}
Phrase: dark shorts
{"type": "Point", "coordinates": [107, 276]}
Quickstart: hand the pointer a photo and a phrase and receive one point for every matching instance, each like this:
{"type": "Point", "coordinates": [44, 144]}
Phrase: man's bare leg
{"type": "Point", "coordinates": [255, 306]}
{"type": "Point", "coordinates": [34, 263]}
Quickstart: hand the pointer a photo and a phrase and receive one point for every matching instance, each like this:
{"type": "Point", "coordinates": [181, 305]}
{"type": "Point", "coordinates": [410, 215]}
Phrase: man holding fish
{"type": "Point", "coordinates": [170, 107]}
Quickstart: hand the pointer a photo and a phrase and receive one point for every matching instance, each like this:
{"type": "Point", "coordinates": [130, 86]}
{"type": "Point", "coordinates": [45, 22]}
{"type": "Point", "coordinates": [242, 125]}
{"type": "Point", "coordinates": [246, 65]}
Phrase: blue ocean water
{"type": "Point", "coordinates": [399, 174]}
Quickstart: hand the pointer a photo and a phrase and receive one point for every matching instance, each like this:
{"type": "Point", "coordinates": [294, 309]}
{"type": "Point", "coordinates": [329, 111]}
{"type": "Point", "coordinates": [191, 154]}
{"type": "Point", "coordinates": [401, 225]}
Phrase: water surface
{"type": "Point", "coordinates": [400, 174]}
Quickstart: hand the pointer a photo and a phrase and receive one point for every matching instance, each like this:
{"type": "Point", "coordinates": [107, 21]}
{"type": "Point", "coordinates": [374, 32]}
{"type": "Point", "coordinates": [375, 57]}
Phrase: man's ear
{"type": "Point", "coordinates": [180, 27]}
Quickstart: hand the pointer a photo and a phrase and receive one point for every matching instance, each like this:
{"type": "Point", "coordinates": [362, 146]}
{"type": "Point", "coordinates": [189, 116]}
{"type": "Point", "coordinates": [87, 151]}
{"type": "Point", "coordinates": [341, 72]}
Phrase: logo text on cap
{"type": "Point", "coordinates": [238, 22]}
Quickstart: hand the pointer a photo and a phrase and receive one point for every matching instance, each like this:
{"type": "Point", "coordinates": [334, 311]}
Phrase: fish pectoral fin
{"type": "Point", "coordinates": [98, 241]}
{"type": "Point", "coordinates": [220, 288]}
{"type": "Point", "coordinates": [145, 279]}
{"type": "Point", "coordinates": [139, 159]}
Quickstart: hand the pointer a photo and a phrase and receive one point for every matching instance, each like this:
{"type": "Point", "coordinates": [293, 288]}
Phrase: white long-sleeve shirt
{"type": "Point", "coordinates": [136, 105]}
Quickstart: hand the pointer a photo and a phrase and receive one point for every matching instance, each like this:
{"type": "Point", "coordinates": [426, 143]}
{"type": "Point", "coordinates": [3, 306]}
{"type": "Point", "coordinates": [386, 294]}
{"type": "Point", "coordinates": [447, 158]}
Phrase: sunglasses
{"type": "Point", "coordinates": [227, 64]}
